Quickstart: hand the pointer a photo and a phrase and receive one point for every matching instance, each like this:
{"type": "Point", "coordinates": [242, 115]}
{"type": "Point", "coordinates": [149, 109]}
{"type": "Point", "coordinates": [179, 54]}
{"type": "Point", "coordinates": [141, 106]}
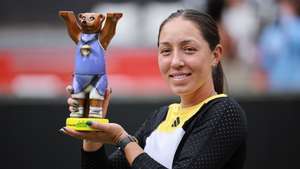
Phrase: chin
{"type": "Point", "coordinates": [180, 90]}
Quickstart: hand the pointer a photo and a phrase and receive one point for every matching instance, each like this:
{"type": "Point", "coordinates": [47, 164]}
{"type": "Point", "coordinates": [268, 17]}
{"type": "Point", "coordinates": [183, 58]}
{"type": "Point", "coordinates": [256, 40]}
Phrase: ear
{"type": "Point", "coordinates": [217, 54]}
{"type": "Point", "coordinates": [80, 15]}
{"type": "Point", "coordinates": [102, 17]}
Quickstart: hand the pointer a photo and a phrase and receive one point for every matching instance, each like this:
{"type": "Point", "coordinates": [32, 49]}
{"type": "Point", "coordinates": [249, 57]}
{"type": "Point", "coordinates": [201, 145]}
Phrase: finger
{"type": "Point", "coordinates": [69, 89]}
{"type": "Point", "coordinates": [71, 132]}
{"type": "Point", "coordinates": [106, 101]}
{"type": "Point", "coordinates": [73, 102]}
{"type": "Point", "coordinates": [92, 136]}
{"type": "Point", "coordinates": [73, 109]}
{"type": "Point", "coordinates": [98, 126]}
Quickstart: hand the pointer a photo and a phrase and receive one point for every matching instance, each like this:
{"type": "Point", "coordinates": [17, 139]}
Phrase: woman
{"type": "Point", "coordinates": [206, 129]}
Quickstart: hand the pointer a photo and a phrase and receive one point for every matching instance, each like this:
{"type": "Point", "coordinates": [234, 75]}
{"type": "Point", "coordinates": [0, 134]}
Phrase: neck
{"type": "Point", "coordinates": [205, 91]}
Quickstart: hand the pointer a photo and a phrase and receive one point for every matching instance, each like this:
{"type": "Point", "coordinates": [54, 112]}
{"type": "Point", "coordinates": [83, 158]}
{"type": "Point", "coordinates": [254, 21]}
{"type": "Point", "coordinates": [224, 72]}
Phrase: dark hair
{"type": "Point", "coordinates": [209, 29]}
{"type": "Point", "coordinates": [215, 9]}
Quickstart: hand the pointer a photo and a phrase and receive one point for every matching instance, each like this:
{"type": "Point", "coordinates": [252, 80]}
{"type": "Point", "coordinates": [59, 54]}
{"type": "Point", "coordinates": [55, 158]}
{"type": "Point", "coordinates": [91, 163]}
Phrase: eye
{"type": "Point", "coordinates": [165, 51]}
{"type": "Point", "coordinates": [92, 18]}
{"type": "Point", "coordinates": [189, 50]}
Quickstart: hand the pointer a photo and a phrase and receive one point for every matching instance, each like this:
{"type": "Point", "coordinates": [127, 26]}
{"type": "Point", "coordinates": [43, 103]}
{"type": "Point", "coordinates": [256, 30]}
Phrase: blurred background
{"type": "Point", "coordinates": [261, 60]}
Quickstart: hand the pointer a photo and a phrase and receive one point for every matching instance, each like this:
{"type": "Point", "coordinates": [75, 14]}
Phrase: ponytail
{"type": "Point", "coordinates": [218, 78]}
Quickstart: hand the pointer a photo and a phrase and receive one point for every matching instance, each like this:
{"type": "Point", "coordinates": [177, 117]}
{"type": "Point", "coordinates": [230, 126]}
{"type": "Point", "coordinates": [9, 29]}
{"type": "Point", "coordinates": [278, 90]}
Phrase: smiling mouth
{"type": "Point", "coordinates": [179, 76]}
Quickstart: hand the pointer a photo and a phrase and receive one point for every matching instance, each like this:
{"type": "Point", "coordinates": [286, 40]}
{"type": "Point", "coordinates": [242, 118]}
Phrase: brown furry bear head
{"type": "Point", "coordinates": [90, 22]}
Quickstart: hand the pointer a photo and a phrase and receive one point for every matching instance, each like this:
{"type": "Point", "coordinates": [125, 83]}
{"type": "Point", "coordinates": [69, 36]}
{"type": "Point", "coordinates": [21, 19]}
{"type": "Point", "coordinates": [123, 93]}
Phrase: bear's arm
{"type": "Point", "coordinates": [109, 28]}
{"type": "Point", "coordinates": [72, 25]}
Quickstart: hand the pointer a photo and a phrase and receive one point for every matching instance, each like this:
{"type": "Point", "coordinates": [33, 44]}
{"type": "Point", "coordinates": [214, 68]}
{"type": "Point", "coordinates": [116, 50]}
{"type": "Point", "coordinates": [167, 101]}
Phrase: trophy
{"type": "Point", "coordinates": [89, 78]}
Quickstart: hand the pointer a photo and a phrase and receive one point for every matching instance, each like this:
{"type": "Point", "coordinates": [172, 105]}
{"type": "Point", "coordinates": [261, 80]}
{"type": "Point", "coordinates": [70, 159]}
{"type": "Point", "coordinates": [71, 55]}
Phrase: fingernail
{"type": "Point", "coordinates": [89, 123]}
{"type": "Point", "coordinates": [62, 130]}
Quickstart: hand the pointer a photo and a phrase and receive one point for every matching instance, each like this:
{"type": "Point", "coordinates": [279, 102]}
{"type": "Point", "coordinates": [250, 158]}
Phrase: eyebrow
{"type": "Point", "coordinates": [186, 41]}
{"type": "Point", "coordinates": [181, 42]}
{"type": "Point", "coordinates": [163, 43]}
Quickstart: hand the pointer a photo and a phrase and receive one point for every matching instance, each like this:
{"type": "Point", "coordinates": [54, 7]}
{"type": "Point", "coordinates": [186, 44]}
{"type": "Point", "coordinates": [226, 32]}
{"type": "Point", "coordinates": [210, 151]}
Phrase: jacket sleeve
{"type": "Point", "coordinates": [216, 136]}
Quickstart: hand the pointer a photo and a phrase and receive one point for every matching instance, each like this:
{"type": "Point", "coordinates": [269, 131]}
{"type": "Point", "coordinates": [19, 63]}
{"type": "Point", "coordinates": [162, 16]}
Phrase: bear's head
{"type": "Point", "coordinates": [90, 22]}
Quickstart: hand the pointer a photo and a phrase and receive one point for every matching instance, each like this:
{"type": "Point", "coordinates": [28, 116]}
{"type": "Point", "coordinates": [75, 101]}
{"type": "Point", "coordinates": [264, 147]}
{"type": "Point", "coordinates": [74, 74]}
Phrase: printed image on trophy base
{"type": "Point", "coordinates": [79, 124]}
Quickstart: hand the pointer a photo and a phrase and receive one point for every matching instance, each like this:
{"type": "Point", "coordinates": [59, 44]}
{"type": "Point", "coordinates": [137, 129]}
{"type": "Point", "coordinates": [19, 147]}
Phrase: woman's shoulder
{"type": "Point", "coordinates": [225, 110]}
{"type": "Point", "coordinates": [156, 117]}
{"type": "Point", "coordinates": [160, 112]}
{"type": "Point", "coordinates": [227, 104]}
{"type": "Point", "coordinates": [224, 114]}
{"type": "Point", "coordinates": [221, 110]}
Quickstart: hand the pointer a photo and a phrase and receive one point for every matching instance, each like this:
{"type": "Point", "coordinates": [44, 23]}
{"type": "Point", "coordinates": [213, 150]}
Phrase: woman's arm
{"type": "Point", "coordinates": [120, 159]}
{"type": "Point", "coordinates": [93, 153]}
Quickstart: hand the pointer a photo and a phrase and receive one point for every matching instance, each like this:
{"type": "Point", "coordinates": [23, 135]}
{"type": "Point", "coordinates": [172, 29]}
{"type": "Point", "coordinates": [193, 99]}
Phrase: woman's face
{"type": "Point", "coordinates": [184, 57]}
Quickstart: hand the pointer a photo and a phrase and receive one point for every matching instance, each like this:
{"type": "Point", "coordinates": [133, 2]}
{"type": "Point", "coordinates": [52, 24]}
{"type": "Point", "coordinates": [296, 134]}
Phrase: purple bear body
{"type": "Point", "coordinates": [89, 65]}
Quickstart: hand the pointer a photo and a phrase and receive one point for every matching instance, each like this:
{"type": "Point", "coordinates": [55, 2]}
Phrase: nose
{"type": "Point", "coordinates": [177, 60]}
{"type": "Point", "coordinates": [83, 22]}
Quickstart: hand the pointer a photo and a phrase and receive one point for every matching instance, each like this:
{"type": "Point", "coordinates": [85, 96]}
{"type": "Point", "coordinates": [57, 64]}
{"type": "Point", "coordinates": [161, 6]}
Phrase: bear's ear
{"type": "Point", "coordinates": [80, 15]}
{"type": "Point", "coordinates": [102, 17]}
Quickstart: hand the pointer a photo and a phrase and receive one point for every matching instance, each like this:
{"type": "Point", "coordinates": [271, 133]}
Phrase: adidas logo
{"type": "Point", "coordinates": [176, 122]}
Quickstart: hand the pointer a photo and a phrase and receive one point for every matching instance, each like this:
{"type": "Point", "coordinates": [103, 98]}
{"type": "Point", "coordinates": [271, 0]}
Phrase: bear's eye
{"type": "Point", "coordinates": [92, 18]}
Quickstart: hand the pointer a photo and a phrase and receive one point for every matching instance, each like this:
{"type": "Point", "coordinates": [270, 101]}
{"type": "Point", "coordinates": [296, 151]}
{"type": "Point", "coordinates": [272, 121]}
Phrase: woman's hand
{"type": "Point", "coordinates": [110, 133]}
{"type": "Point", "coordinates": [88, 145]}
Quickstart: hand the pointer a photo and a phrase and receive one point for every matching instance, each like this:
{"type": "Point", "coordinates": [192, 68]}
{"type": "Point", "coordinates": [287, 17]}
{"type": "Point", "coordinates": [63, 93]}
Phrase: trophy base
{"type": "Point", "coordinates": [79, 124]}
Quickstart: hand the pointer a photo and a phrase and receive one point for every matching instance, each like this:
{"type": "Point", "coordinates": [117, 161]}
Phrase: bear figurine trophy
{"type": "Point", "coordinates": [89, 78]}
